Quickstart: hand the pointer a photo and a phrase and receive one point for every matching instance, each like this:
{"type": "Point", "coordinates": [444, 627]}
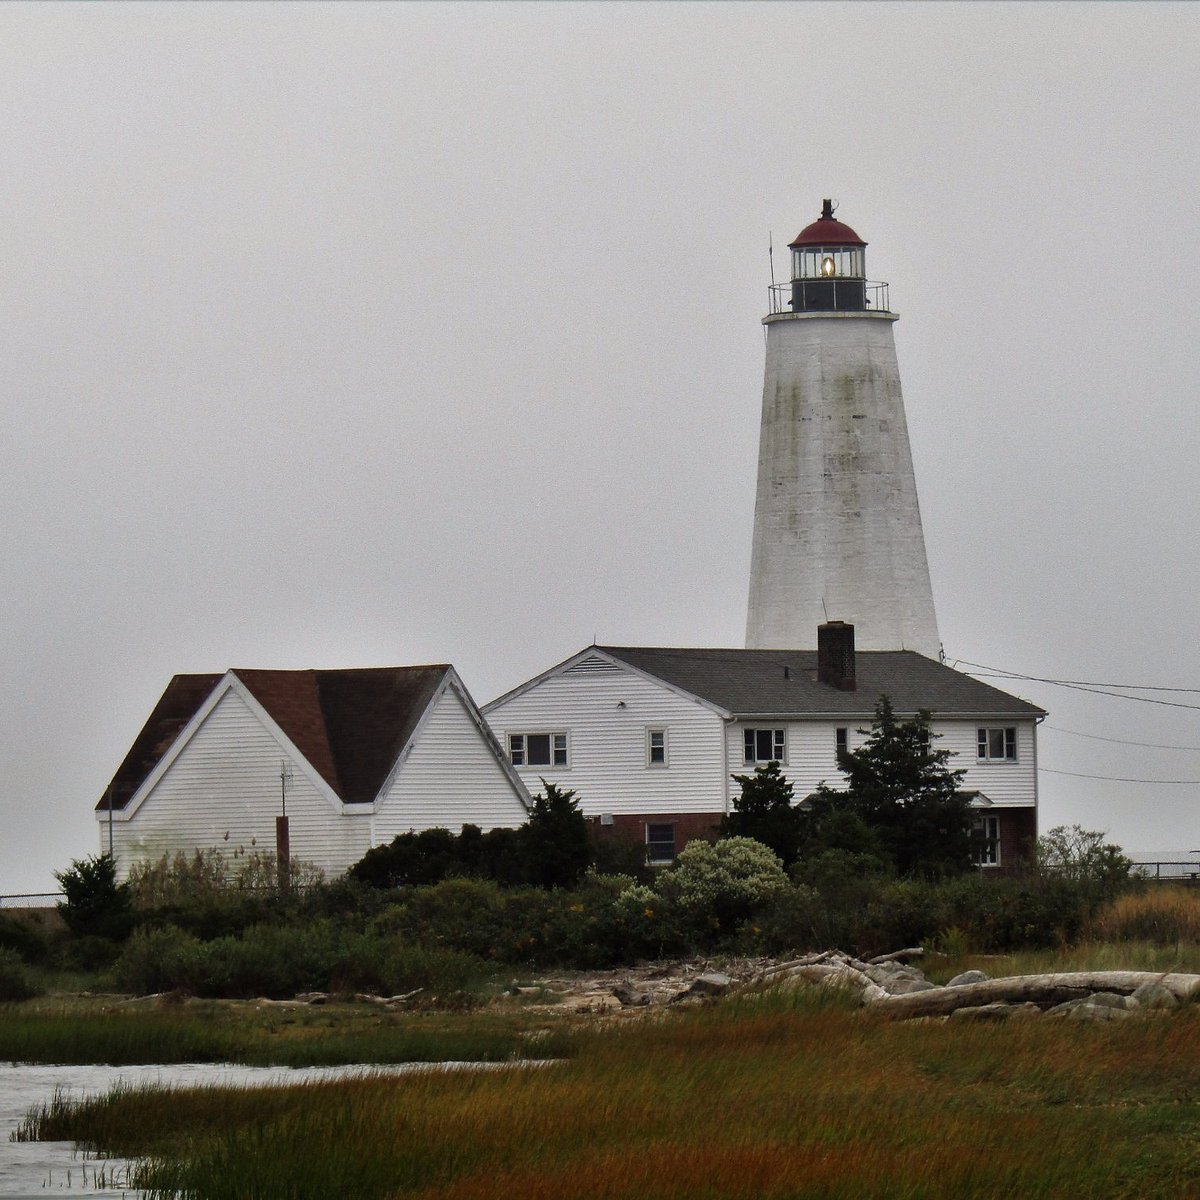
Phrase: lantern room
{"type": "Point", "coordinates": [829, 271]}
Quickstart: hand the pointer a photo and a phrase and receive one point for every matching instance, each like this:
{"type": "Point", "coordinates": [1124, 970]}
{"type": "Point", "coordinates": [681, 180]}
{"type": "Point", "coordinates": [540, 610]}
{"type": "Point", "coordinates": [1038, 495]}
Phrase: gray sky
{"type": "Point", "coordinates": [358, 335]}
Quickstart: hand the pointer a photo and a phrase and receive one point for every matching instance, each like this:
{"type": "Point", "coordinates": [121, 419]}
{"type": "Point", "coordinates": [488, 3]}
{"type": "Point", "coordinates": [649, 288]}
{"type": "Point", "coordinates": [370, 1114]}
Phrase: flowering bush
{"type": "Point", "coordinates": [718, 885]}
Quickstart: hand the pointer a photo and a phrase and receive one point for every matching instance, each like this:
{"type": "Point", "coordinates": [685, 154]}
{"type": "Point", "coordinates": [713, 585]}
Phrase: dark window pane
{"type": "Point", "coordinates": [538, 747]}
{"type": "Point", "coordinates": [660, 842]}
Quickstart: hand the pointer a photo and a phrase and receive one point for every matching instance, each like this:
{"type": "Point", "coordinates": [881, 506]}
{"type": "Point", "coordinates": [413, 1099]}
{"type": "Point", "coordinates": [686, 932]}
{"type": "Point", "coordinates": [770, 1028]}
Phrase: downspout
{"type": "Point", "coordinates": [1036, 800]}
{"type": "Point", "coordinates": [726, 722]}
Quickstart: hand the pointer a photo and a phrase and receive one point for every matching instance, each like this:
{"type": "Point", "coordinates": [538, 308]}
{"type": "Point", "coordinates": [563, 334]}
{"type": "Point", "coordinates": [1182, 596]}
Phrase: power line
{"type": "Point", "coordinates": [1135, 687]}
{"type": "Point", "coordinates": [1119, 779]}
{"type": "Point", "coordinates": [1096, 737]}
{"type": "Point", "coordinates": [994, 673]}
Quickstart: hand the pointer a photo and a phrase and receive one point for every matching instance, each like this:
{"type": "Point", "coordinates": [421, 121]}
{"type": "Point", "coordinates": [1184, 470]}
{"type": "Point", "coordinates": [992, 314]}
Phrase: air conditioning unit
{"type": "Point", "coordinates": [606, 818]}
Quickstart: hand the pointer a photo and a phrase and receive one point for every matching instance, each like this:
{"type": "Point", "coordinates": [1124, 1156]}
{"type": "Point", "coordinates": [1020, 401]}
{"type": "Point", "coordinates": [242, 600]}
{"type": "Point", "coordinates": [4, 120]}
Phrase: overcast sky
{"type": "Point", "coordinates": [360, 335]}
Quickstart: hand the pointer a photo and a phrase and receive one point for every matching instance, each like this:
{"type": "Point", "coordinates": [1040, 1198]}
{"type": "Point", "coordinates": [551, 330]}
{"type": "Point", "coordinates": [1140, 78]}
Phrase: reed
{"type": "Point", "coordinates": [270, 1036]}
{"type": "Point", "coordinates": [1162, 915]}
{"type": "Point", "coordinates": [769, 1097]}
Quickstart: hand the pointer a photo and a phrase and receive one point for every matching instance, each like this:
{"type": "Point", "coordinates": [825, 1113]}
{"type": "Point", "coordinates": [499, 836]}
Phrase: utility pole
{"type": "Point", "coordinates": [283, 849]}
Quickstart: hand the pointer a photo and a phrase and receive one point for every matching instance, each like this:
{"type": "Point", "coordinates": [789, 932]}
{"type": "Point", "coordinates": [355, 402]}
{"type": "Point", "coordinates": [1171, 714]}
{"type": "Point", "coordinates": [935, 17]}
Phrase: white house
{"type": "Point", "coordinates": [650, 738]}
{"type": "Point", "coordinates": [350, 757]}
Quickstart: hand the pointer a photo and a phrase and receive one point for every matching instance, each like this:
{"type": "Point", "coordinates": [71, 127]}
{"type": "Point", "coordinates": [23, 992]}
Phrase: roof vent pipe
{"type": "Point", "coordinates": [835, 655]}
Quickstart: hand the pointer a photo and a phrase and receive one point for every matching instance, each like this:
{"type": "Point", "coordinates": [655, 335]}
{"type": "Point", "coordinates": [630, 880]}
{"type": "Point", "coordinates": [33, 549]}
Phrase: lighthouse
{"type": "Point", "coordinates": [837, 529]}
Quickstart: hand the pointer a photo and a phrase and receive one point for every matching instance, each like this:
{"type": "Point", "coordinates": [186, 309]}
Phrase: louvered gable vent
{"type": "Point", "coordinates": [592, 665]}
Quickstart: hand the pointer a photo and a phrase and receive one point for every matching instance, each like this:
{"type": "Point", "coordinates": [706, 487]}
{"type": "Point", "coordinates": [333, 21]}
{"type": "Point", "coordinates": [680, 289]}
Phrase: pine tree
{"type": "Point", "coordinates": [901, 788]}
{"type": "Point", "coordinates": [764, 811]}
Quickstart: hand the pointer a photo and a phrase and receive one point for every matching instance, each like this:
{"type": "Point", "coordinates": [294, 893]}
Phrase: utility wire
{"type": "Point", "coordinates": [1135, 687]}
{"type": "Point", "coordinates": [1096, 737]}
{"type": "Point", "coordinates": [1082, 687]}
{"type": "Point", "coordinates": [1119, 779]}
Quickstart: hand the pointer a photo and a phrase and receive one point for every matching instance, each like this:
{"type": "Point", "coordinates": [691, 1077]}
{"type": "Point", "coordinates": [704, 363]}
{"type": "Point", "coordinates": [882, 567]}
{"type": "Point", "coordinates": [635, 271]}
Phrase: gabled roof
{"type": "Point", "coordinates": [747, 683]}
{"type": "Point", "coordinates": [351, 725]}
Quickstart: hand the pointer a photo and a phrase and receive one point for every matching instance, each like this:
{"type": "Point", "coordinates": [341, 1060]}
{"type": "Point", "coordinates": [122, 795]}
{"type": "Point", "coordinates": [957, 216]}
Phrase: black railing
{"type": "Point", "coordinates": [32, 900]}
{"type": "Point", "coordinates": [780, 297]}
{"type": "Point", "coordinates": [1167, 872]}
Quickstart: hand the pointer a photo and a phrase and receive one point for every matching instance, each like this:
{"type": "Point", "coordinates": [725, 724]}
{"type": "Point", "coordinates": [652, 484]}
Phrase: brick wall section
{"type": "Point", "coordinates": [1018, 830]}
{"type": "Point", "coordinates": [1018, 833]}
{"type": "Point", "coordinates": [632, 827]}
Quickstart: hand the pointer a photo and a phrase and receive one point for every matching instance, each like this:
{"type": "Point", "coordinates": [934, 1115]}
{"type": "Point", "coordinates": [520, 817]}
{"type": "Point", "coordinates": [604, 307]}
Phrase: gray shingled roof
{"type": "Point", "coordinates": [753, 682]}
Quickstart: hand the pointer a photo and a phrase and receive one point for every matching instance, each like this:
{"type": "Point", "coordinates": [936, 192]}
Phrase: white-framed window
{"type": "Point", "coordinates": [656, 747]}
{"type": "Point", "coordinates": [660, 843]}
{"type": "Point", "coordinates": [538, 749]}
{"type": "Point", "coordinates": [764, 746]}
{"type": "Point", "coordinates": [841, 740]}
{"type": "Point", "coordinates": [997, 743]}
{"type": "Point", "coordinates": [986, 833]}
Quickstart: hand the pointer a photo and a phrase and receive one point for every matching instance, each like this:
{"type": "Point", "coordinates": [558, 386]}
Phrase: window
{"type": "Point", "coordinates": [841, 741]}
{"type": "Point", "coordinates": [998, 744]}
{"type": "Point", "coordinates": [660, 843]}
{"type": "Point", "coordinates": [985, 832]}
{"type": "Point", "coordinates": [763, 745]}
{"type": "Point", "coordinates": [656, 747]}
{"type": "Point", "coordinates": [538, 749]}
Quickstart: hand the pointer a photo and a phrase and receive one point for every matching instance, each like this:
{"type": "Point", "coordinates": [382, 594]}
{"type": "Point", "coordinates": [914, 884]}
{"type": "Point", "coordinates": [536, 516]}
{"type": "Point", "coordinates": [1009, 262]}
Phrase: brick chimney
{"type": "Point", "coordinates": [835, 655]}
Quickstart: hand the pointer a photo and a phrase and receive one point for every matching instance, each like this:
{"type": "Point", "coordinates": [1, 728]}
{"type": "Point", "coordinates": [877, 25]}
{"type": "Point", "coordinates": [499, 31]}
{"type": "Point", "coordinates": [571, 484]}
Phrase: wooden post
{"type": "Point", "coordinates": [283, 852]}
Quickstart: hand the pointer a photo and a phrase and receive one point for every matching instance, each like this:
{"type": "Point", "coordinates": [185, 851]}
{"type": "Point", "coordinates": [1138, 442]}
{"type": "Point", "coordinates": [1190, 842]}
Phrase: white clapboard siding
{"type": "Point", "coordinates": [223, 791]}
{"type": "Point", "coordinates": [1004, 783]}
{"type": "Point", "coordinates": [811, 756]}
{"type": "Point", "coordinates": [450, 778]}
{"type": "Point", "coordinates": [605, 710]}
{"type": "Point", "coordinates": [810, 751]}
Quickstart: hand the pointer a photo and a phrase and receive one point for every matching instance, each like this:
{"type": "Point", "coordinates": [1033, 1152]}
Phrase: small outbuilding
{"type": "Point", "coordinates": [351, 758]}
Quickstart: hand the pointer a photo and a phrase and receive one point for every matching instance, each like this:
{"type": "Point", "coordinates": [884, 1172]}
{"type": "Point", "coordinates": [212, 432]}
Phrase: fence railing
{"type": "Point", "coordinates": [32, 900]}
{"type": "Point", "coordinates": [1168, 872]}
{"type": "Point", "coordinates": [876, 296]}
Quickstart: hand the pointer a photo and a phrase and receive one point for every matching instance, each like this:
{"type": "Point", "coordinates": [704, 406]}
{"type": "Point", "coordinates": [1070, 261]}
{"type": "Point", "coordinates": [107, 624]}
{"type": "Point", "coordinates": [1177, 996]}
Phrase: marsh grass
{"type": "Point", "coordinates": [775, 1096]}
{"type": "Point", "coordinates": [1134, 955]}
{"type": "Point", "coordinates": [1162, 915]}
{"type": "Point", "coordinates": [246, 1033]}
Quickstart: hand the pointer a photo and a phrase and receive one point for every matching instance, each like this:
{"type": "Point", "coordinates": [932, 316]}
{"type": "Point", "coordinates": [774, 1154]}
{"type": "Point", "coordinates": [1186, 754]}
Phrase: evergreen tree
{"type": "Point", "coordinates": [902, 789]}
{"type": "Point", "coordinates": [95, 904]}
{"type": "Point", "coordinates": [764, 811]}
{"type": "Point", "coordinates": [555, 842]}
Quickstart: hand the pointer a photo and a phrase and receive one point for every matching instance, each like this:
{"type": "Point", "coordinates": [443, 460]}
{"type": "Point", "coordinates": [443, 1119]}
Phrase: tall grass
{"type": "Point", "coordinates": [767, 1098]}
{"type": "Point", "coordinates": [1162, 915]}
{"type": "Point", "coordinates": [272, 1038]}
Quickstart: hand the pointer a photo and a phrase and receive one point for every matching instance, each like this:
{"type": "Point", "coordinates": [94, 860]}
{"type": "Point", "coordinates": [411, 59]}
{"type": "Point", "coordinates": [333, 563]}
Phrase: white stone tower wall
{"type": "Point", "coordinates": [837, 529]}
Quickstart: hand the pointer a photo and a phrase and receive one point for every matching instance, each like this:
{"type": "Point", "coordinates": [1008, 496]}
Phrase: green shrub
{"type": "Point", "coordinates": [24, 938]}
{"type": "Point", "coordinates": [87, 954]}
{"type": "Point", "coordinates": [95, 905]}
{"type": "Point", "coordinates": [1082, 857]}
{"type": "Point", "coordinates": [871, 914]}
{"type": "Point", "coordinates": [15, 983]}
{"type": "Point", "coordinates": [718, 885]}
{"type": "Point", "coordinates": [159, 960]}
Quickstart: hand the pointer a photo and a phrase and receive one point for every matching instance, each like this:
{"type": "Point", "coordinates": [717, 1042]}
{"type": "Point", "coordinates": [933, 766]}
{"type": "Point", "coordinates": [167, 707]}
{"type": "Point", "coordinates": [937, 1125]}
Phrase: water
{"type": "Point", "coordinates": [35, 1170]}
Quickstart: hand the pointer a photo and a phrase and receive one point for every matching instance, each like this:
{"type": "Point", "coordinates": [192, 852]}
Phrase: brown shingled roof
{"type": "Point", "coordinates": [349, 724]}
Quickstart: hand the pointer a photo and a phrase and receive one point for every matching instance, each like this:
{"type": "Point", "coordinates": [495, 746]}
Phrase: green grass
{"type": "Point", "coordinates": [1087, 956]}
{"type": "Point", "coordinates": [768, 1097]}
{"type": "Point", "coordinates": [77, 1032]}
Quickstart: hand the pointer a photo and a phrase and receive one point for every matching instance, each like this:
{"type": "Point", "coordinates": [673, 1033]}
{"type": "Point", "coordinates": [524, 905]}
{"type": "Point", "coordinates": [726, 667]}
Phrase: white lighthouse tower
{"type": "Point", "coordinates": [837, 530]}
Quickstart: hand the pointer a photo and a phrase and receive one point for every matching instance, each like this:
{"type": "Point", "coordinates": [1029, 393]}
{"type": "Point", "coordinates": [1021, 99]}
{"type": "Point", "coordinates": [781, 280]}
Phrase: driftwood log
{"type": "Point", "coordinates": [1041, 989]}
{"type": "Point", "coordinates": [886, 987]}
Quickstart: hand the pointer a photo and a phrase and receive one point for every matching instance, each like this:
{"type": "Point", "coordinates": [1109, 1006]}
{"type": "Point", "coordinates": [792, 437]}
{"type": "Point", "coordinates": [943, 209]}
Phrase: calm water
{"type": "Point", "coordinates": [35, 1170]}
